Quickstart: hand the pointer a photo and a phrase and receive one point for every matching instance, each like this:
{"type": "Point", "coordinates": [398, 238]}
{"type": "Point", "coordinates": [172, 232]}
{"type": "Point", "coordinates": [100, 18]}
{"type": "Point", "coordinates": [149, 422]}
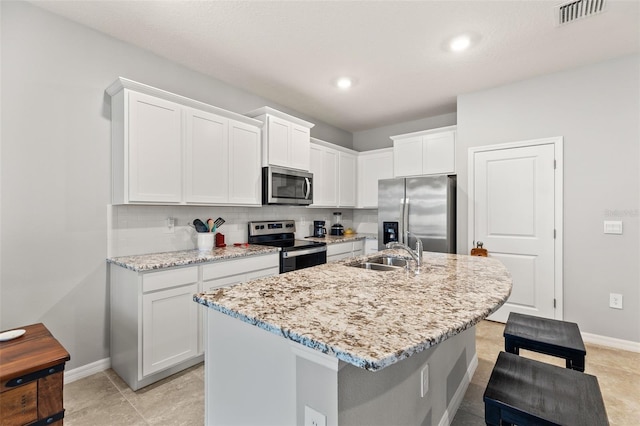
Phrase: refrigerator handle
{"type": "Point", "coordinates": [405, 221]}
{"type": "Point", "coordinates": [400, 237]}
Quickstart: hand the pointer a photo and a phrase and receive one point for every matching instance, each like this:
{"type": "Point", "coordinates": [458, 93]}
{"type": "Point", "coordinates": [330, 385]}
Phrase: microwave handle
{"type": "Point", "coordinates": [308, 183]}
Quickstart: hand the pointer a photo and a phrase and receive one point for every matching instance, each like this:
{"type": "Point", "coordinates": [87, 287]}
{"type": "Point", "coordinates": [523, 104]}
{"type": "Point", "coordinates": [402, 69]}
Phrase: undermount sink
{"type": "Point", "coordinates": [383, 263]}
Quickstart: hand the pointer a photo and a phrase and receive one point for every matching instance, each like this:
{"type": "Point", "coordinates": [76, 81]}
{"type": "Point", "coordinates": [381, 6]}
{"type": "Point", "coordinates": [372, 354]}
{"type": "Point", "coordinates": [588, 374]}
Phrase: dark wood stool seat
{"type": "Point", "coordinates": [525, 392]}
{"type": "Point", "coordinates": [547, 336]}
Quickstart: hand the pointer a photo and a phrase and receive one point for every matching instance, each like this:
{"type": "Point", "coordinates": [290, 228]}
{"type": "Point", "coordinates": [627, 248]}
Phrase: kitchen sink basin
{"type": "Point", "coordinates": [383, 263]}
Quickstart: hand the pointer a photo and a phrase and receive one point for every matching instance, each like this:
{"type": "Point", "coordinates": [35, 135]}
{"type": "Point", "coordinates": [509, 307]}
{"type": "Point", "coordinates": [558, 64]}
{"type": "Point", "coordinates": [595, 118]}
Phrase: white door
{"type": "Point", "coordinates": [513, 214]}
{"type": "Point", "coordinates": [347, 184]}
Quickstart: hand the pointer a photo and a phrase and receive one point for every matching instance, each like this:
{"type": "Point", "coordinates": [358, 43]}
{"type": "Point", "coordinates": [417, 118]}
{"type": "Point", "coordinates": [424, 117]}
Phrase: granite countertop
{"type": "Point", "coordinates": [148, 262]}
{"type": "Point", "coordinates": [370, 319]}
{"type": "Point", "coordinates": [331, 239]}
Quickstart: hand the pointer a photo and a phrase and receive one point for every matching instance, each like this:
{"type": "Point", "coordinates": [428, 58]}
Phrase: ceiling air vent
{"type": "Point", "coordinates": [577, 9]}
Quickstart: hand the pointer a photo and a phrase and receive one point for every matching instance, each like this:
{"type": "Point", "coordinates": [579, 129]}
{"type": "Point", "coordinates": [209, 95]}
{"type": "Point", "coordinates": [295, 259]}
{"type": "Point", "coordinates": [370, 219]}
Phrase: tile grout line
{"type": "Point", "coordinates": [127, 399]}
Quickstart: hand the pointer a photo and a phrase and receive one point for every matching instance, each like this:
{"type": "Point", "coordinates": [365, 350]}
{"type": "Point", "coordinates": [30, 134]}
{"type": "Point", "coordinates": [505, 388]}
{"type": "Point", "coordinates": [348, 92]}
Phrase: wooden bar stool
{"type": "Point", "coordinates": [547, 336]}
{"type": "Point", "coordinates": [526, 392]}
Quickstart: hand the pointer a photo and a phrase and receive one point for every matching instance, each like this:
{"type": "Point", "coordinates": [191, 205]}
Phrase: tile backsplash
{"type": "Point", "coordinates": [134, 229]}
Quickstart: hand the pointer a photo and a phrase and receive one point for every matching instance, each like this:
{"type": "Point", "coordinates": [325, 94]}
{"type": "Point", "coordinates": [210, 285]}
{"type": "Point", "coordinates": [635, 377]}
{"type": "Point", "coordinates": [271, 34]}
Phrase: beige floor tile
{"type": "Point", "coordinates": [88, 391]}
{"type": "Point", "coordinates": [465, 418]}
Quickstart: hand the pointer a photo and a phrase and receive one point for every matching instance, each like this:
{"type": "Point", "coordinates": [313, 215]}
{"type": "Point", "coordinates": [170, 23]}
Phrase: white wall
{"type": "Point", "coordinates": [596, 109]}
{"type": "Point", "coordinates": [55, 169]}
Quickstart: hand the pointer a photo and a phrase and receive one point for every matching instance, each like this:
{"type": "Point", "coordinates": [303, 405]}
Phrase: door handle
{"type": "Point", "coordinates": [308, 183]}
{"type": "Point", "coordinates": [405, 219]}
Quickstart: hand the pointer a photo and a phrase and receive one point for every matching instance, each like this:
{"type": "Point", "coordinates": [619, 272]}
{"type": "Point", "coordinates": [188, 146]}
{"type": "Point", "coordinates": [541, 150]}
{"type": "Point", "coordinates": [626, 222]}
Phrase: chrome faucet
{"type": "Point", "coordinates": [415, 254]}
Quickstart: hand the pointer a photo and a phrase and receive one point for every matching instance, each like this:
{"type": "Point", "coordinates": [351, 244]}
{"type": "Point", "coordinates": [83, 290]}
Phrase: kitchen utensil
{"type": "Point", "coordinates": [218, 223]}
{"type": "Point", "coordinates": [11, 334]}
{"type": "Point", "coordinates": [200, 226]}
{"type": "Point", "coordinates": [210, 224]}
{"type": "Point", "coordinates": [337, 228]}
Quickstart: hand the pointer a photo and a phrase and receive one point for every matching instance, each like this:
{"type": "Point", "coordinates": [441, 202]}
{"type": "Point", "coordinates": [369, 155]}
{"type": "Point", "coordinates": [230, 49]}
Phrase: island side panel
{"type": "Point", "coordinates": [249, 374]}
{"type": "Point", "coordinates": [393, 394]}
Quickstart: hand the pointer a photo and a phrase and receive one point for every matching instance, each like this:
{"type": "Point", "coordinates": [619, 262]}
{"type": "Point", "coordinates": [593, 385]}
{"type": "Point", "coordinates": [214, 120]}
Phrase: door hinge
{"type": "Point", "coordinates": [554, 234]}
{"type": "Point", "coordinates": [555, 164]}
{"type": "Point", "coordinates": [554, 303]}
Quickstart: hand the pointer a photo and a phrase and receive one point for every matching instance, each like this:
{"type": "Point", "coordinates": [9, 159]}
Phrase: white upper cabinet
{"type": "Point", "coordinates": [154, 166]}
{"type": "Point", "coordinates": [206, 147]}
{"type": "Point", "coordinates": [334, 175]}
{"type": "Point", "coordinates": [425, 153]}
{"type": "Point", "coordinates": [347, 182]}
{"type": "Point", "coordinates": [245, 177]}
{"type": "Point", "coordinates": [324, 166]}
{"type": "Point", "coordinates": [286, 139]}
{"type": "Point", "coordinates": [168, 149]}
{"type": "Point", "coordinates": [372, 166]}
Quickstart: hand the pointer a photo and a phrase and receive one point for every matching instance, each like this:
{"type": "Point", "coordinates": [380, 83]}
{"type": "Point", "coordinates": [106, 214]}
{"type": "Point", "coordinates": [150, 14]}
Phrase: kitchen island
{"type": "Point", "coordinates": [349, 343]}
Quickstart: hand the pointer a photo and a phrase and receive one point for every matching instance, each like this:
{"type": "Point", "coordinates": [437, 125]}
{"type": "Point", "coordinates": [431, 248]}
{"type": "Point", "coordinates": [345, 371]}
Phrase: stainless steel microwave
{"type": "Point", "coordinates": [286, 186]}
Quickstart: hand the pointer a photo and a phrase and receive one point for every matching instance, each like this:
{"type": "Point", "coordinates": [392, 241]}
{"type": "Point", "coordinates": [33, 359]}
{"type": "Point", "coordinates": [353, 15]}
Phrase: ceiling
{"type": "Point", "coordinates": [291, 52]}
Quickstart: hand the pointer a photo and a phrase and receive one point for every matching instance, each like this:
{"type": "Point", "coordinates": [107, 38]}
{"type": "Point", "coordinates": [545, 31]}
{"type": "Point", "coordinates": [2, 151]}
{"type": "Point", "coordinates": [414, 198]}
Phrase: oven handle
{"type": "Point", "coordinates": [296, 253]}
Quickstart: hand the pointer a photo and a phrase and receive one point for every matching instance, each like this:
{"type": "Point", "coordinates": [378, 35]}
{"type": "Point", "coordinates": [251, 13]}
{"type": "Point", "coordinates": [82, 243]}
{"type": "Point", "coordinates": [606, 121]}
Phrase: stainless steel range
{"type": "Point", "coordinates": [295, 254]}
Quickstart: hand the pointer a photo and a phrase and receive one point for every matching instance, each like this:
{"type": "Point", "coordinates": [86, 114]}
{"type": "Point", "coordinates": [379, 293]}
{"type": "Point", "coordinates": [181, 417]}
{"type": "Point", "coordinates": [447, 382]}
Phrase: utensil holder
{"type": "Point", "coordinates": [205, 241]}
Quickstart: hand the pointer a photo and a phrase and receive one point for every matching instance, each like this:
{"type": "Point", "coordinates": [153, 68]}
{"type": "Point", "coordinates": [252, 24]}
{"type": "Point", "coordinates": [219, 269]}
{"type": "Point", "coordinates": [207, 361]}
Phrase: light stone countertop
{"type": "Point", "coordinates": [370, 319]}
{"type": "Point", "coordinates": [152, 261]}
{"type": "Point", "coordinates": [332, 239]}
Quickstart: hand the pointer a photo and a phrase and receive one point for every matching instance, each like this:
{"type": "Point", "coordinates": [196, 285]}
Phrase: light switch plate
{"type": "Point", "coordinates": [613, 227]}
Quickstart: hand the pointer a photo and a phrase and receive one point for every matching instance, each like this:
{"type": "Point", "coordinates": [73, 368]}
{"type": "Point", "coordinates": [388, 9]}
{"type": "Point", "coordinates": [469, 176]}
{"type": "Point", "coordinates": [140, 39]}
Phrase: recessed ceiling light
{"type": "Point", "coordinates": [460, 43]}
{"type": "Point", "coordinates": [344, 83]}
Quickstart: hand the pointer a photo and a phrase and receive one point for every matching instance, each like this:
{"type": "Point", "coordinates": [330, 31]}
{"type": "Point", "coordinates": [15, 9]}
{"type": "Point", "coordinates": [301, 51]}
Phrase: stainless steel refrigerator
{"type": "Point", "coordinates": [425, 206]}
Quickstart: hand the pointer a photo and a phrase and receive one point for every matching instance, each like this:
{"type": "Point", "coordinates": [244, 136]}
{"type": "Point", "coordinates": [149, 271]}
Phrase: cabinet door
{"type": "Point", "coordinates": [315, 167]}
{"type": "Point", "coordinates": [244, 162]}
{"type": "Point", "coordinates": [278, 133]}
{"type": "Point", "coordinates": [371, 168]}
{"type": "Point", "coordinates": [407, 156]}
{"type": "Point", "coordinates": [324, 166]}
{"type": "Point", "coordinates": [155, 149]}
{"type": "Point", "coordinates": [169, 328]}
{"type": "Point", "coordinates": [347, 183]}
{"type": "Point", "coordinates": [206, 153]}
{"type": "Point", "coordinates": [299, 148]}
{"type": "Point", "coordinates": [439, 152]}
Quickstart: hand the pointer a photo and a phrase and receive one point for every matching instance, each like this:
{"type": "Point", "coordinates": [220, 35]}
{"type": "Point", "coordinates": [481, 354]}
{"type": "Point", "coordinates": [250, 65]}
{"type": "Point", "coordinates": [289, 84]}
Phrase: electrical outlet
{"type": "Point", "coordinates": [314, 418]}
{"type": "Point", "coordinates": [170, 229]}
{"type": "Point", "coordinates": [615, 300]}
{"type": "Point", "coordinates": [424, 380]}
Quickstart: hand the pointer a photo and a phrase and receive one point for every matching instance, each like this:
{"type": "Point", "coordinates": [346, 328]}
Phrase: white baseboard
{"type": "Point", "coordinates": [453, 406]}
{"type": "Point", "coordinates": [611, 342]}
{"type": "Point", "coordinates": [86, 370]}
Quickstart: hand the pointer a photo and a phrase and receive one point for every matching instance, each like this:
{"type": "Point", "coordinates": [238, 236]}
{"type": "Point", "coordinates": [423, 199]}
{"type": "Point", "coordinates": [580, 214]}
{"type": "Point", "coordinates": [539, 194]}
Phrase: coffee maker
{"type": "Point", "coordinates": [319, 230]}
{"type": "Point", "coordinates": [337, 228]}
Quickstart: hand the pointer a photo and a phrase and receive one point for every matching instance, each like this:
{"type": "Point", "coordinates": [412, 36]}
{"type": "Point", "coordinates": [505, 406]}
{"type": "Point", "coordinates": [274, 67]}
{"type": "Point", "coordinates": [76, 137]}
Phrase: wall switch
{"type": "Point", "coordinates": [615, 300]}
{"type": "Point", "coordinates": [424, 380]}
{"type": "Point", "coordinates": [613, 227]}
{"type": "Point", "coordinates": [314, 418]}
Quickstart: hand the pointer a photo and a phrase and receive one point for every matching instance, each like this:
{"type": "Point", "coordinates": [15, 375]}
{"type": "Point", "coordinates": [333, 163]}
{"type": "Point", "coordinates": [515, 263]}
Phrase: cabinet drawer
{"type": "Point", "coordinates": [239, 266]}
{"type": "Point", "coordinates": [18, 406]}
{"type": "Point", "coordinates": [334, 249]}
{"type": "Point", "coordinates": [153, 281]}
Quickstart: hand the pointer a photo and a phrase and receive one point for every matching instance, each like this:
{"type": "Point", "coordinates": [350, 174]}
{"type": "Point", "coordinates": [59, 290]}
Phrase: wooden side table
{"type": "Point", "coordinates": [31, 378]}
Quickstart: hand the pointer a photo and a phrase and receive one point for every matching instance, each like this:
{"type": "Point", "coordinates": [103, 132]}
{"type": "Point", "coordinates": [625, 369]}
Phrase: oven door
{"type": "Point", "coordinates": [286, 186]}
{"type": "Point", "coordinates": [300, 259]}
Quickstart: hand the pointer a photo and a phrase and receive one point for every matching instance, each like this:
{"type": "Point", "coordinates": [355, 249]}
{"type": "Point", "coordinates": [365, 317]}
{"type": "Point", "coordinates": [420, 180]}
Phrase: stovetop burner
{"type": "Point", "coordinates": [279, 234]}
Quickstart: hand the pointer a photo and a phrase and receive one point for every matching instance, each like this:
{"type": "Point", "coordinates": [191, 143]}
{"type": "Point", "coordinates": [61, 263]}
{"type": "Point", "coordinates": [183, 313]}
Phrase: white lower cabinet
{"type": "Point", "coordinates": [339, 251]}
{"type": "Point", "coordinates": [235, 271]}
{"type": "Point", "coordinates": [156, 327]}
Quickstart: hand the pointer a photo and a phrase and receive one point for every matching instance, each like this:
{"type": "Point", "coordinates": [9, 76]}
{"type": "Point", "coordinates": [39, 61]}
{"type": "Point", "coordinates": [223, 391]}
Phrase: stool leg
{"type": "Point", "coordinates": [492, 415]}
{"type": "Point", "coordinates": [510, 347]}
{"type": "Point", "coordinates": [576, 363]}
